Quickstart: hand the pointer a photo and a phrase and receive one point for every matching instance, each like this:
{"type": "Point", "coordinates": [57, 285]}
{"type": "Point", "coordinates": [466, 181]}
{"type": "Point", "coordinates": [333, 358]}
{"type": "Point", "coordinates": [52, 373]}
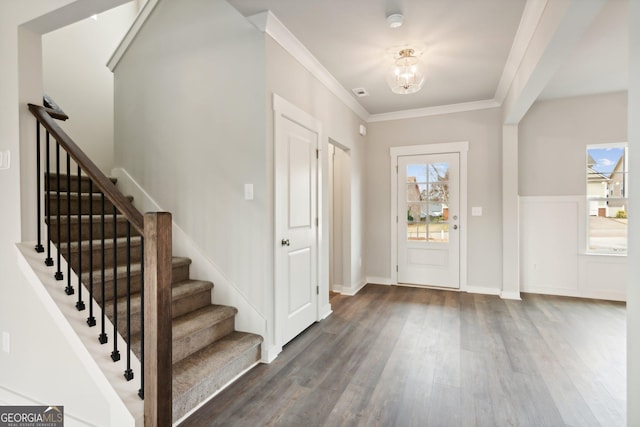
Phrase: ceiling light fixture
{"type": "Point", "coordinates": [405, 75]}
{"type": "Point", "coordinates": [395, 20]}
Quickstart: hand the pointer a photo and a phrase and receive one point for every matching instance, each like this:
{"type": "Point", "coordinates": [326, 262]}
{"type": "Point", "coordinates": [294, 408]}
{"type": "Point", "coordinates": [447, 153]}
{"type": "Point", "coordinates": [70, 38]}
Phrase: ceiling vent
{"type": "Point", "coordinates": [360, 92]}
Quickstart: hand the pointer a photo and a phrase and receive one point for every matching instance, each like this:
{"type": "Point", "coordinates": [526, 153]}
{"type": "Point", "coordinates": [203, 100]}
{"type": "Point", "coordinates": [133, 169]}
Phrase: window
{"type": "Point", "coordinates": [428, 202]}
{"type": "Point", "coordinates": [607, 203]}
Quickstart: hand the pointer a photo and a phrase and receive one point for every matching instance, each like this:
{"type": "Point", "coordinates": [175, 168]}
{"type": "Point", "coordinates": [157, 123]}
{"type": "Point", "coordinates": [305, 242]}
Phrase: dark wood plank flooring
{"type": "Point", "coordinates": [400, 356]}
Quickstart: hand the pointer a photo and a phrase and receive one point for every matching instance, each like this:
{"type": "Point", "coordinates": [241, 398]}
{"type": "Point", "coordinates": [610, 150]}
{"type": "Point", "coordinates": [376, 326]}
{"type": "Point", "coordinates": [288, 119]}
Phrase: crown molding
{"type": "Point", "coordinates": [268, 23]}
{"type": "Point", "coordinates": [531, 15]}
{"type": "Point", "coordinates": [128, 38]}
{"type": "Point", "coordinates": [435, 111]}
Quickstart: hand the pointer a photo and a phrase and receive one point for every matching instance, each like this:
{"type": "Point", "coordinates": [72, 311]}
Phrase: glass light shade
{"type": "Point", "coordinates": [405, 75]}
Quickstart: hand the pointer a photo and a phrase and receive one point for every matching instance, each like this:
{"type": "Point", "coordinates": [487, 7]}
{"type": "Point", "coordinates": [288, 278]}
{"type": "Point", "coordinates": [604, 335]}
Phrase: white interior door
{"type": "Point", "coordinates": [428, 220]}
{"type": "Point", "coordinates": [296, 227]}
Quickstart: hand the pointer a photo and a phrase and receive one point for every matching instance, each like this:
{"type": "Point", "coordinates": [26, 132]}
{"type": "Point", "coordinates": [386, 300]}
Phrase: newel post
{"type": "Point", "coordinates": [157, 323]}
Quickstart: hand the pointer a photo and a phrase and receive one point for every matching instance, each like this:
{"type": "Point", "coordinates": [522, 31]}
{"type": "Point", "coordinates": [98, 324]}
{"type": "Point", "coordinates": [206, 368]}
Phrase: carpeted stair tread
{"type": "Point", "coordinates": [179, 291]}
{"type": "Point", "coordinates": [84, 182]}
{"type": "Point", "coordinates": [200, 319]}
{"type": "Point", "coordinates": [136, 241]}
{"type": "Point", "coordinates": [196, 330]}
{"type": "Point", "coordinates": [189, 287]}
{"type": "Point", "coordinates": [203, 373]}
{"type": "Point", "coordinates": [121, 271]}
{"type": "Point", "coordinates": [89, 202]}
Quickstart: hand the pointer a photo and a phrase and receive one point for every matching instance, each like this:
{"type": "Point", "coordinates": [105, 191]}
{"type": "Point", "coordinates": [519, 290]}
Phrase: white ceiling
{"type": "Point", "coordinates": [466, 44]}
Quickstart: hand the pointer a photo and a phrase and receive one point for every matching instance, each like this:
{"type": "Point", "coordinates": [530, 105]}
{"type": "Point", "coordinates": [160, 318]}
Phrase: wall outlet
{"type": "Point", "coordinates": [6, 342]}
{"type": "Point", "coordinates": [5, 159]}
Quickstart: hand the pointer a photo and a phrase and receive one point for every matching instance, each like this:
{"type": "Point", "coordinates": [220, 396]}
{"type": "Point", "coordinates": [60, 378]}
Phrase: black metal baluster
{"type": "Point", "coordinates": [39, 248]}
{"type": "Point", "coordinates": [47, 207]}
{"type": "Point", "coordinates": [58, 275]}
{"type": "Point", "coordinates": [128, 374]}
{"type": "Point", "coordinates": [91, 320]}
{"type": "Point", "coordinates": [103, 336]}
{"type": "Point", "coordinates": [141, 391]}
{"type": "Point", "coordinates": [80, 303]}
{"type": "Point", "coordinates": [69, 289]}
{"type": "Point", "coordinates": [115, 354]}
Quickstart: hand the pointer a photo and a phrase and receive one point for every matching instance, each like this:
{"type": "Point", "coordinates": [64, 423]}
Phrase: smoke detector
{"type": "Point", "coordinates": [395, 20]}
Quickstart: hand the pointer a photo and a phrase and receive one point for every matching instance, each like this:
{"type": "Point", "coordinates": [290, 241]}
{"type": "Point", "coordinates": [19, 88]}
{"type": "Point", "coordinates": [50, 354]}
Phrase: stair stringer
{"type": "Point", "coordinates": [126, 408]}
{"type": "Point", "coordinates": [225, 292]}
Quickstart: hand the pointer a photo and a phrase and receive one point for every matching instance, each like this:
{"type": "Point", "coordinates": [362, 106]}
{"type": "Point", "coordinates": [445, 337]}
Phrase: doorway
{"type": "Point", "coordinates": [339, 174]}
{"type": "Point", "coordinates": [428, 234]}
{"type": "Point", "coordinates": [428, 203]}
{"type": "Point", "coordinates": [297, 137]}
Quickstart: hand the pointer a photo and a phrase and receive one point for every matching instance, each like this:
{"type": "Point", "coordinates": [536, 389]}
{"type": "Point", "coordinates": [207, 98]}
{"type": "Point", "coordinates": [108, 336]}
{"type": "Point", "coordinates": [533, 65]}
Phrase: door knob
{"type": "Point", "coordinates": [285, 242]}
{"type": "Point", "coordinates": [455, 227]}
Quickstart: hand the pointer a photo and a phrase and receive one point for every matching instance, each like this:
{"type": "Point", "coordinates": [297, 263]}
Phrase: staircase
{"type": "Point", "coordinates": [207, 350]}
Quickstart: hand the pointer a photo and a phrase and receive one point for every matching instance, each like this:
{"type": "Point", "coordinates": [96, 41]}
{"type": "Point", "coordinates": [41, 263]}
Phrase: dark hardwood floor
{"type": "Point", "coordinates": [399, 356]}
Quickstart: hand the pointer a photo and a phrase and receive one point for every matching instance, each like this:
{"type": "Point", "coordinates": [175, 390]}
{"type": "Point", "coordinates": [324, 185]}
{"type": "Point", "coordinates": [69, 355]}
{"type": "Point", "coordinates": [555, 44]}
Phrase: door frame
{"type": "Point", "coordinates": [284, 110]}
{"type": "Point", "coordinates": [460, 148]}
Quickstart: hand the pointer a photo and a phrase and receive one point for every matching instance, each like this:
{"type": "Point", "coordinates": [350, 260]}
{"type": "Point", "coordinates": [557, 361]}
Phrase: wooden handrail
{"type": "Point", "coordinates": [104, 184]}
{"type": "Point", "coordinates": [55, 113]}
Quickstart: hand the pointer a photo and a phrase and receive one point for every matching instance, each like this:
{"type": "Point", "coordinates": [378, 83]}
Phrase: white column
{"type": "Point", "coordinates": [633, 256]}
{"type": "Point", "coordinates": [510, 214]}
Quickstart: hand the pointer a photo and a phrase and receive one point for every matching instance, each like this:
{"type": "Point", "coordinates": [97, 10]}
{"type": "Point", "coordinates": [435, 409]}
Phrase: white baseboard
{"type": "Point", "coordinates": [379, 280]}
{"type": "Point", "coordinates": [481, 290]}
{"type": "Point", "coordinates": [352, 291]}
{"type": "Point", "coordinates": [513, 295]}
{"type": "Point", "coordinates": [272, 352]}
{"type": "Point", "coordinates": [604, 295]}
{"type": "Point", "coordinates": [325, 311]}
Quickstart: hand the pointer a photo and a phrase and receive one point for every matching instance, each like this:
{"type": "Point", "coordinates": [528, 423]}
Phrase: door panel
{"type": "Point", "coordinates": [428, 220]}
{"type": "Point", "coordinates": [296, 230]}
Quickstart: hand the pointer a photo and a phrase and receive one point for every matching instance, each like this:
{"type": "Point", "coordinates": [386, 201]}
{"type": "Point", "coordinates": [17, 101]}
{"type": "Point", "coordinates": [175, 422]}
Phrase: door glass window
{"type": "Point", "coordinates": [427, 202]}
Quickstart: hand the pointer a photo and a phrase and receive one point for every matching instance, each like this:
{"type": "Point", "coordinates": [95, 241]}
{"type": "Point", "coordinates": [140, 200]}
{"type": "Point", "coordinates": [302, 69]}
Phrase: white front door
{"type": "Point", "coordinates": [296, 228]}
{"type": "Point", "coordinates": [428, 220]}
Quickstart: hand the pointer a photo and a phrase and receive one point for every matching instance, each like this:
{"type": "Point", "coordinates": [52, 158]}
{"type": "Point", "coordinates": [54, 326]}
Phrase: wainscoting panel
{"type": "Point", "coordinates": [552, 252]}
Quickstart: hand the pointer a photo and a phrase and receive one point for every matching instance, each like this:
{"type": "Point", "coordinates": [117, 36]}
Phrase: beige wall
{"type": "Point", "coordinates": [190, 129]}
{"type": "Point", "coordinates": [483, 130]}
{"type": "Point", "coordinates": [553, 137]}
{"type": "Point", "coordinates": [75, 75]}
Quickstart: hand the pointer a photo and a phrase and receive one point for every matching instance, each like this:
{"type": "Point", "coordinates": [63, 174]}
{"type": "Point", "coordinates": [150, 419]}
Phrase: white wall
{"type": "Point", "coordinates": [483, 130]}
{"type": "Point", "coordinates": [76, 77]}
{"type": "Point", "coordinates": [287, 78]}
{"type": "Point", "coordinates": [553, 137]}
{"type": "Point", "coordinates": [40, 367]}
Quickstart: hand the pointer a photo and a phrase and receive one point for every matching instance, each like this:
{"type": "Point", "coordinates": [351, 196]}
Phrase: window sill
{"type": "Point", "coordinates": [605, 254]}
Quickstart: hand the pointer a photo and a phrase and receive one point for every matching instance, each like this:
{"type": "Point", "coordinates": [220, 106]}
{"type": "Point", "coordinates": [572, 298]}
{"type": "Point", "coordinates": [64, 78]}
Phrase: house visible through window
{"type": "Point", "coordinates": [607, 191]}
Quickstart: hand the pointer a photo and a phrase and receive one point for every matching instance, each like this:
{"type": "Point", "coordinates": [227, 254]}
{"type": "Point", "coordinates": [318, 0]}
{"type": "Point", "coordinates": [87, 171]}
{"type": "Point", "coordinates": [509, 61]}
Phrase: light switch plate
{"type": "Point", "coordinates": [476, 211]}
{"type": "Point", "coordinates": [5, 159]}
{"type": "Point", "coordinates": [6, 342]}
{"type": "Point", "coordinates": [248, 191]}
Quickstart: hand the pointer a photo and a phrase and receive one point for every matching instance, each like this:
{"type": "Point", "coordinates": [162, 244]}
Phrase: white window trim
{"type": "Point", "coordinates": [462, 149]}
